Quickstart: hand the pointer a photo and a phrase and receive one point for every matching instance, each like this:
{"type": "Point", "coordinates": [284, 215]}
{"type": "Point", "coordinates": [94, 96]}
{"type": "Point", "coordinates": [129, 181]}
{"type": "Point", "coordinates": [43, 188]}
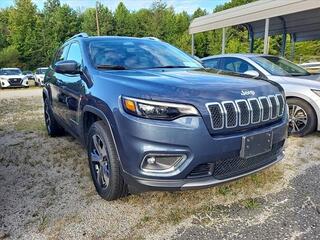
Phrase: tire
{"type": "Point", "coordinates": [104, 163]}
{"type": "Point", "coordinates": [302, 117]}
{"type": "Point", "coordinates": [53, 127]}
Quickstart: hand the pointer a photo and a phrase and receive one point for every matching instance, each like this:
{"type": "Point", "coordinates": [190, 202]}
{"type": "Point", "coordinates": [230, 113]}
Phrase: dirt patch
{"type": "Point", "coordinates": [47, 192]}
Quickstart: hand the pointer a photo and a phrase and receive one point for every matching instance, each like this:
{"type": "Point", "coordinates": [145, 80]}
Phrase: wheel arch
{"type": "Point", "coordinates": [308, 100]}
{"type": "Point", "coordinates": [89, 111]}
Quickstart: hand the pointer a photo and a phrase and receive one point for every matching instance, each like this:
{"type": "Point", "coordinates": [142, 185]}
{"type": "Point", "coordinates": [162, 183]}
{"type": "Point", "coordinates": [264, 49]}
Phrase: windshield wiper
{"type": "Point", "coordinates": [111, 67]}
{"type": "Point", "coordinates": [172, 66]}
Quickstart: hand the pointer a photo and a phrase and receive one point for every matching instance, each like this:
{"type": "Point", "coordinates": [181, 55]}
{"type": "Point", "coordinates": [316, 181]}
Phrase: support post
{"type": "Point", "coordinates": [250, 36]}
{"type": "Point", "coordinates": [266, 37]}
{"type": "Point", "coordinates": [223, 47]}
{"type": "Point", "coordinates": [192, 44]}
{"type": "Point", "coordinates": [284, 36]}
{"type": "Point", "coordinates": [293, 41]}
{"type": "Point", "coordinates": [97, 19]}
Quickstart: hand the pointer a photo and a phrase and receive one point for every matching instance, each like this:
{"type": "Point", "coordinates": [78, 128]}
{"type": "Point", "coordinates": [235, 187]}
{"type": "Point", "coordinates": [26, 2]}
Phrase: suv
{"type": "Point", "coordinates": [12, 77]}
{"type": "Point", "coordinates": [152, 118]}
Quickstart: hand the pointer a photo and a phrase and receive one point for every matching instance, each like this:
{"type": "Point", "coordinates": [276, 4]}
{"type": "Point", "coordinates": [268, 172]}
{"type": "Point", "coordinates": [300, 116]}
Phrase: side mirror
{"type": "Point", "coordinates": [252, 73]}
{"type": "Point", "coordinates": [67, 67]}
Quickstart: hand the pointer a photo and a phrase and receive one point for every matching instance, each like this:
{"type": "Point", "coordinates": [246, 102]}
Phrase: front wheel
{"type": "Point", "coordinates": [104, 163]}
{"type": "Point", "coordinates": [302, 117]}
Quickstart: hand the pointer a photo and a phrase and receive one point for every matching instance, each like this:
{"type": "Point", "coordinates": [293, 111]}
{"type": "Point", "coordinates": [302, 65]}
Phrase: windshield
{"type": "Point", "coordinates": [270, 67]}
{"type": "Point", "coordinates": [41, 70]}
{"type": "Point", "coordinates": [10, 72]}
{"type": "Point", "coordinates": [289, 67]}
{"type": "Point", "coordinates": [120, 54]}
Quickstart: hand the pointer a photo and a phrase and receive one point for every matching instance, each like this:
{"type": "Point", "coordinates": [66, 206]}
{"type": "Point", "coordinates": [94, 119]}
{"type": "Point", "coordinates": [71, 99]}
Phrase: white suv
{"type": "Point", "coordinates": [39, 76]}
{"type": "Point", "coordinates": [12, 77]}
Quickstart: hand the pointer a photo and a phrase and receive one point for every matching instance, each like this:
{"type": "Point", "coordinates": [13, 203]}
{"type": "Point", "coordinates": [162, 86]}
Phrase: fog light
{"type": "Point", "coordinates": [151, 160]}
{"type": "Point", "coordinates": [162, 163]}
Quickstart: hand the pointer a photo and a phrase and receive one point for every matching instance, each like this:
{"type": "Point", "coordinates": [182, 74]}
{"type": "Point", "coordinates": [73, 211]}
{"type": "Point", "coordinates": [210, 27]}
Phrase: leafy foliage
{"type": "Point", "coordinates": [29, 37]}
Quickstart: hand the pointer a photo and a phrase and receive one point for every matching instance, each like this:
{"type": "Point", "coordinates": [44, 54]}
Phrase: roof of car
{"type": "Point", "coordinates": [235, 55]}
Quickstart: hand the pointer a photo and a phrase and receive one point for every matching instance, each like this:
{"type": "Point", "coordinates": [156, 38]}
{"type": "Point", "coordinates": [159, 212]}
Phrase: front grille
{"type": "Point", "coordinates": [227, 168]}
{"type": "Point", "coordinates": [231, 114]}
{"type": "Point", "coordinates": [15, 81]}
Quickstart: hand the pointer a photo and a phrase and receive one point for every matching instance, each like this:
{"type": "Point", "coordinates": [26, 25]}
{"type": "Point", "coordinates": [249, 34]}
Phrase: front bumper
{"type": "Point", "coordinates": [188, 136]}
{"type": "Point", "coordinates": [7, 84]}
{"type": "Point", "coordinates": [189, 184]}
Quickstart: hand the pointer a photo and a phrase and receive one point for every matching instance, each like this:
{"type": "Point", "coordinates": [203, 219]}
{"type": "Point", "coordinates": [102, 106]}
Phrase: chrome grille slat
{"type": "Point", "coordinates": [231, 114]}
{"type": "Point", "coordinates": [243, 112]}
{"type": "Point", "coordinates": [216, 115]}
{"type": "Point", "coordinates": [274, 106]}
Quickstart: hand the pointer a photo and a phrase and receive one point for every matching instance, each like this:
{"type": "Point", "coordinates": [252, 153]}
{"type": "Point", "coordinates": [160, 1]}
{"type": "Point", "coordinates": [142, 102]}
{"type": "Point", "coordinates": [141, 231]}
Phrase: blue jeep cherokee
{"type": "Point", "coordinates": [153, 118]}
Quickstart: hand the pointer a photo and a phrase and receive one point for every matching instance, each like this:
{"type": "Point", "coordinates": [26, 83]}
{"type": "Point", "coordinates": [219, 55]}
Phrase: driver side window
{"type": "Point", "coordinates": [61, 54]}
{"type": "Point", "coordinates": [75, 53]}
{"type": "Point", "coordinates": [236, 65]}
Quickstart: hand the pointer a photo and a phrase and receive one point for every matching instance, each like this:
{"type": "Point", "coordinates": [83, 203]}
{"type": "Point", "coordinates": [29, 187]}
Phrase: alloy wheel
{"type": "Point", "coordinates": [298, 118]}
{"type": "Point", "coordinates": [47, 117]}
{"type": "Point", "coordinates": [99, 160]}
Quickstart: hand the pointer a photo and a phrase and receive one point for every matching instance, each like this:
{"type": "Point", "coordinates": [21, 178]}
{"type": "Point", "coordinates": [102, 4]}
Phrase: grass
{"type": "Point", "coordinates": [224, 190]}
{"type": "Point", "coordinates": [251, 203]}
{"type": "Point", "coordinates": [36, 125]}
{"type": "Point", "coordinates": [205, 204]}
{"type": "Point", "coordinates": [43, 223]}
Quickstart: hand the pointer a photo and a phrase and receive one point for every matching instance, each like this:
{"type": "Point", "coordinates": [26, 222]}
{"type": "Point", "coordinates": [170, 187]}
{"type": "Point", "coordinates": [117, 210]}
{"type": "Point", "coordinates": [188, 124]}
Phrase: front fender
{"type": "Point", "coordinates": [105, 114]}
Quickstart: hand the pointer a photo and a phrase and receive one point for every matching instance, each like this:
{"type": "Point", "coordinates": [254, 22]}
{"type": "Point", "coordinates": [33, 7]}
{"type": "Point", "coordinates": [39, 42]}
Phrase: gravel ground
{"type": "Point", "coordinates": [46, 192]}
{"type": "Point", "coordinates": [20, 92]}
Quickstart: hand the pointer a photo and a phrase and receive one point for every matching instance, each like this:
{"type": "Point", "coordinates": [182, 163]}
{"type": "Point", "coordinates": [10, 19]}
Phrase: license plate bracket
{"type": "Point", "coordinates": [256, 144]}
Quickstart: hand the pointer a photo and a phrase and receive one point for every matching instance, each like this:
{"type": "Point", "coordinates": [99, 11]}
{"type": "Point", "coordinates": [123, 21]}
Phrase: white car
{"type": "Point", "coordinates": [12, 77]}
{"type": "Point", "coordinates": [312, 67]}
{"type": "Point", "coordinates": [302, 89]}
{"type": "Point", "coordinates": [39, 76]}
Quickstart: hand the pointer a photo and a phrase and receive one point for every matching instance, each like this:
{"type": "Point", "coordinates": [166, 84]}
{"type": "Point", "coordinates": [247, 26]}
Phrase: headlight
{"type": "Point", "coordinates": [316, 92]}
{"type": "Point", "coordinates": [157, 110]}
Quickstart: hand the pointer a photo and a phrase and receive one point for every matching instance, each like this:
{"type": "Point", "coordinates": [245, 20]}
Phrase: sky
{"type": "Point", "coordinates": [179, 5]}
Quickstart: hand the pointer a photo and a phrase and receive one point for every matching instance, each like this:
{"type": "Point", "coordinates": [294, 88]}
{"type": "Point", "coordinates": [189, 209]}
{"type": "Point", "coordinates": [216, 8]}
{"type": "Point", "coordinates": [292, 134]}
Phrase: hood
{"type": "Point", "coordinates": [11, 76]}
{"type": "Point", "coordinates": [194, 87]}
{"type": "Point", "coordinates": [299, 81]}
{"type": "Point", "coordinates": [311, 77]}
{"type": "Point", "coordinates": [197, 86]}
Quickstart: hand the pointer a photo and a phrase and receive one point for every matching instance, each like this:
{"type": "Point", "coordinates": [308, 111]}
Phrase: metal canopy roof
{"type": "Point", "coordinates": [298, 17]}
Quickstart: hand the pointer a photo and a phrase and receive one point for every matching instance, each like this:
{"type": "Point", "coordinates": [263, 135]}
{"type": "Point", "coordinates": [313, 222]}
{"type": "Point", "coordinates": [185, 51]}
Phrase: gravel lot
{"type": "Point", "coordinates": [46, 192]}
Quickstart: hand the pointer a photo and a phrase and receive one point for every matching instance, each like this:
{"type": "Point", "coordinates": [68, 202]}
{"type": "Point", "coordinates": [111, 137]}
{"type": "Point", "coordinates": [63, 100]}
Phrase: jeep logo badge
{"type": "Point", "coordinates": [247, 93]}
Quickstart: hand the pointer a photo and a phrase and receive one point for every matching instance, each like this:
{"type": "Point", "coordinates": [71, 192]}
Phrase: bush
{"type": "Point", "coordinates": [9, 57]}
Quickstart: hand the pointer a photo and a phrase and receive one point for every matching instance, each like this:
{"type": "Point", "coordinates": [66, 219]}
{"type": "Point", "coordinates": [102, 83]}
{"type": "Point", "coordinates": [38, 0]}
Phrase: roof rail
{"type": "Point", "coordinates": [83, 34]}
{"type": "Point", "coordinates": [152, 38]}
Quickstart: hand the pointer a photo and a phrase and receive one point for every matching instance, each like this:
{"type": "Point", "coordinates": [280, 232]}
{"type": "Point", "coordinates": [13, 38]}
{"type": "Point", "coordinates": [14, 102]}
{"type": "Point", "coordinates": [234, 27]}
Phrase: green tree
{"type": "Point", "coordinates": [4, 31]}
{"type": "Point", "coordinates": [22, 25]}
{"type": "Point", "coordinates": [123, 21]}
{"type": "Point", "coordinates": [9, 57]}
